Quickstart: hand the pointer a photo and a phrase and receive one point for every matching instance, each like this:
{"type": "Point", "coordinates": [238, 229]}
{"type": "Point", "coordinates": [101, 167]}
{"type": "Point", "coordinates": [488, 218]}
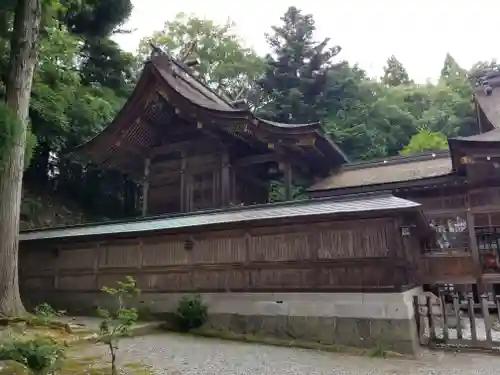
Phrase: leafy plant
{"type": "Point", "coordinates": [117, 323]}
{"type": "Point", "coordinates": [41, 355]}
{"type": "Point", "coordinates": [46, 311]}
{"type": "Point", "coordinates": [191, 313]}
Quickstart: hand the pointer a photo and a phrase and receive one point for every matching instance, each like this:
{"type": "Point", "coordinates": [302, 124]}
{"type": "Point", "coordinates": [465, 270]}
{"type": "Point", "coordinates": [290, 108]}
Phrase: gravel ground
{"type": "Point", "coordinates": [186, 355]}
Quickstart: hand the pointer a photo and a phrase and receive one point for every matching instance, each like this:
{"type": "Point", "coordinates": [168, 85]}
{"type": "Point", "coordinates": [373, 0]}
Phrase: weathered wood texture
{"type": "Point", "coordinates": [350, 255]}
{"type": "Point", "coordinates": [456, 215]}
{"type": "Point", "coordinates": [199, 174]}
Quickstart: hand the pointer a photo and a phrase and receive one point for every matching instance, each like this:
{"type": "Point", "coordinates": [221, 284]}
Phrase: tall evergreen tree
{"type": "Point", "coordinates": [296, 76]}
{"type": "Point", "coordinates": [23, 58]}
{"type": "Point", "coordinates": [395, 73]}
{"type": "Point", "coordinates": [451, 69]}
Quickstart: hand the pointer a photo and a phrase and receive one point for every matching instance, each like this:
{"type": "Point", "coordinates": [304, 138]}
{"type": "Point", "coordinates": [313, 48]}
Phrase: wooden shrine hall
{"type": "Point", "coordinates": [356, 253]}
{"type": "Point", "coordinates": [459, 190]}
{"type": "Point", "coordinates": [193, 149]}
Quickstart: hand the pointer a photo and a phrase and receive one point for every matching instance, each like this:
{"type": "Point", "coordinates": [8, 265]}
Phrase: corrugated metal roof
{"type": "Point", "coordinates": [365, 203]}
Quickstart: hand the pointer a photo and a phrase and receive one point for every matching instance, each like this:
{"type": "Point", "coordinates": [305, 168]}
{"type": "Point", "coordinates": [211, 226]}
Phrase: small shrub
{"type": "Point", "coordinates": [46, 311]}
{"type": "Point", "coordinates": [41, 355]}
{"type": "Point", "coordinates": [117, 323]}
{"type": "Point", "coordinates": [191, 313]}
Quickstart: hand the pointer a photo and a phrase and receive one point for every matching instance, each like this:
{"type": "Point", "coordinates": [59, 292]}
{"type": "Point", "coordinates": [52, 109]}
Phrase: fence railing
{"type": "Point", "coordinates": [454, 319]}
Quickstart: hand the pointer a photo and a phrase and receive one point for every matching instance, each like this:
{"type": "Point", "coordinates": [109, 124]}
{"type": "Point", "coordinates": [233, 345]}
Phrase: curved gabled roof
{"type": "Point", "coordinates": [195, 102]}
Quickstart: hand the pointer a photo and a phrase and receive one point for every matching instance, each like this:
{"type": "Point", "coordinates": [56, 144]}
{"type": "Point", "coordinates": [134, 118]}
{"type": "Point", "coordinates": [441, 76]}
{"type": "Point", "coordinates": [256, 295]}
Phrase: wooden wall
{"type": "Point", "coordinates": [195, 175]}
{"type": "Point", "coordinates": [366, 254]}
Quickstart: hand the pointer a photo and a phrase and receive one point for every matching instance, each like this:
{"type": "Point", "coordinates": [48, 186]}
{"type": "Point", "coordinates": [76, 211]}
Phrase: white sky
{"type": "Point", "coordinates": [418, 32]}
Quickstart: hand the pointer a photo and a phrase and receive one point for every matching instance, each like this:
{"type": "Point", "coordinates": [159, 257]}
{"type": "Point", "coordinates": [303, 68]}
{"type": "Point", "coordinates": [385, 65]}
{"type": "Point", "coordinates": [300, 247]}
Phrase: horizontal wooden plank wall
{"type": "Point", "coordinates": [350, 255]}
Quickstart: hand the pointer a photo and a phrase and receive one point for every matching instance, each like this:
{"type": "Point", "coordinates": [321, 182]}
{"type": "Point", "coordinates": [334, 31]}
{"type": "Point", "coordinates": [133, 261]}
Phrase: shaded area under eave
{"type": "Point", "coordinates": [198, 103]}
{"type": "Point", "coordinates": [484, 141]}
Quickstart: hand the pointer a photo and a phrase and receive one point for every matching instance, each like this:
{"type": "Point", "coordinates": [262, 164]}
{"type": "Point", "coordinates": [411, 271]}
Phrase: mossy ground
{"type": "Point", "coordinates": [97, 365]}
{"type": "Point", "coordinates": [77, 341]}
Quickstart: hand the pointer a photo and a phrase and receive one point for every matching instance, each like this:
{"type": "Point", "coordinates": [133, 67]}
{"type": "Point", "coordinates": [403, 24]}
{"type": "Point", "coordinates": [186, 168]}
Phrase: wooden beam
{"type": "Point", "coordinates": [145, 187]}
{"type": "Point", "coordinates": [256, 159]}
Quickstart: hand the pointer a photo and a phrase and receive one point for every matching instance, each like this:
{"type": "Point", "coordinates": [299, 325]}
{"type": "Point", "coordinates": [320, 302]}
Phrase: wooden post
{"type": "Point", "coordinates": [225, 180]}
{"type": "Point", "coordinates": [145, 186]}
{"type": "Point", "coordinates": [475, 253]}
{"type": "Point", "coordinates": [288, 181]}
{"type": "Point", "coordinates": [183, 194]}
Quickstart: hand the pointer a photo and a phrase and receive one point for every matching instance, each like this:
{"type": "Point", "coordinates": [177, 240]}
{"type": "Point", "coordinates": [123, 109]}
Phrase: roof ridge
{"type": "Point", "coordinates": [400, 159]}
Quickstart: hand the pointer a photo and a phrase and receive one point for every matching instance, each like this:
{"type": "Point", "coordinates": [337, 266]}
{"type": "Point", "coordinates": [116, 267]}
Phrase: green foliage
{"type": "Point", "coordinates": [277, 192]}
{"type": "Point", "coordinates": [45, 311]}
{"type": "Point", "coordinates": [395, 73]}
{"type": "Point", "coordinates": [117, 323]}
{"type": "Point", "coordinates": [296, 76]}
{"type": "Point", "coordinates": [225, 63]}
{"type": "Point", "coordinates": [10, 127]}
{"type": "Point", "coordinates": [42, 355]}
{"type": "Point", "coordinates": [94, 18]}
{"type": "Point", "coordinates": [425, 140]}
{"type": "Point", "coordinates": [191, 313]}
{"type": "Point", "coordinates": [10, 131]}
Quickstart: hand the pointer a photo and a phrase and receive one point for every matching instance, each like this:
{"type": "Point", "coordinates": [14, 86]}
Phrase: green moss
{"type": "Point", "coordinates": [13, 368]}
{"type": "Point", "coordinates": [96, 365]}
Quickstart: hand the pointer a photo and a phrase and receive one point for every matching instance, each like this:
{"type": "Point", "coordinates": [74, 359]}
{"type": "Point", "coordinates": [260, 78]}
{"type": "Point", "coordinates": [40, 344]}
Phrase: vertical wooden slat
{"type": "Point", "coordinates": [432, 328]}
{"type": "Point", "coordinates": [456, 309]}
{"type": "Point", "coordinates": [225, 180]}
{"type": "Point", "coordinates": [97, 262]}
{"type": "Point", "coordinates": [486, 316]}
{"type": "Point", "coordinates": [445, 318]}
{"type": "Point", "coordinates": [56, 269]}
{"type": "Point", "coordinates": [472, 318]}
{"type": "Point", "coordinates": [145, 186]}
{"type": "Point", "coordinates": [183, 183]}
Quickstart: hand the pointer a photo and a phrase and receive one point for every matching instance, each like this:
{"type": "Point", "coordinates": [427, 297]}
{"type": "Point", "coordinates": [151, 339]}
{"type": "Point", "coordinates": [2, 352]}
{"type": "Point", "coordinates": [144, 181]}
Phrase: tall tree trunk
{"type": "Point", "coordinates": [23, 58]}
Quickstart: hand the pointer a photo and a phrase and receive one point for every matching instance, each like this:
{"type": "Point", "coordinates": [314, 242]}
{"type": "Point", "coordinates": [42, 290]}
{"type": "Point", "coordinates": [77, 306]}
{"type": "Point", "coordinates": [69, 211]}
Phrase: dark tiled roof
{"type": "Point", "coordinates": [396, 169]}
{"type": "Point", "coordinates": [195, 101]}
{"type": "Point", "coordinates": [488, 98]}
{"type": "Point", "coordinates": [491, 136]}
{"type": "Point", "coordinates": [360, 204]}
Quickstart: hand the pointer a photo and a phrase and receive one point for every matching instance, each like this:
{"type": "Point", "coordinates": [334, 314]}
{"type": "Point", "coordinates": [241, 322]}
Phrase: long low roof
{"type": "Point", "coordinates": [395, 169]}
{"type": "Point", "coordinates": [308, 208]}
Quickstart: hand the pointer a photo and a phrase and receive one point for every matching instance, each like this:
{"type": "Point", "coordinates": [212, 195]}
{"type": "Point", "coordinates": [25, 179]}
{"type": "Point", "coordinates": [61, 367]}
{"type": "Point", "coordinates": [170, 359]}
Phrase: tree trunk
{"type": "Point", "coordinates": [23, 58]}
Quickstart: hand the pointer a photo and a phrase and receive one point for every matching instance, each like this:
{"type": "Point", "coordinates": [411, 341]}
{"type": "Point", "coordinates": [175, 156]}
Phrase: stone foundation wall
{"type": "Point", "coordinates": [352, 319]}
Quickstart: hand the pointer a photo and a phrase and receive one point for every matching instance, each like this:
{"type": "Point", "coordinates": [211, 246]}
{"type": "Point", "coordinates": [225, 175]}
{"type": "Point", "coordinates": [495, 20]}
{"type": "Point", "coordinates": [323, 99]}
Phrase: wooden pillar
{"type": "Point", "coordinates": [475, 253]}
{"type": "Point", "coordinates": [288, 181]}
{"type": "Point", "coordinates": [225, 180]}
{"type": "Point", "coordinates": [182, 192]}
{"type": "Point", "coordinates": [145, 186]}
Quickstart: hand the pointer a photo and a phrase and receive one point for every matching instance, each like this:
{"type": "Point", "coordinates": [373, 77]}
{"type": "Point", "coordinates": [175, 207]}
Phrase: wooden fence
{"type": "Point", "coordinates": [455, 320]}
{"type": "Point", "coordinates": [351, 255]}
